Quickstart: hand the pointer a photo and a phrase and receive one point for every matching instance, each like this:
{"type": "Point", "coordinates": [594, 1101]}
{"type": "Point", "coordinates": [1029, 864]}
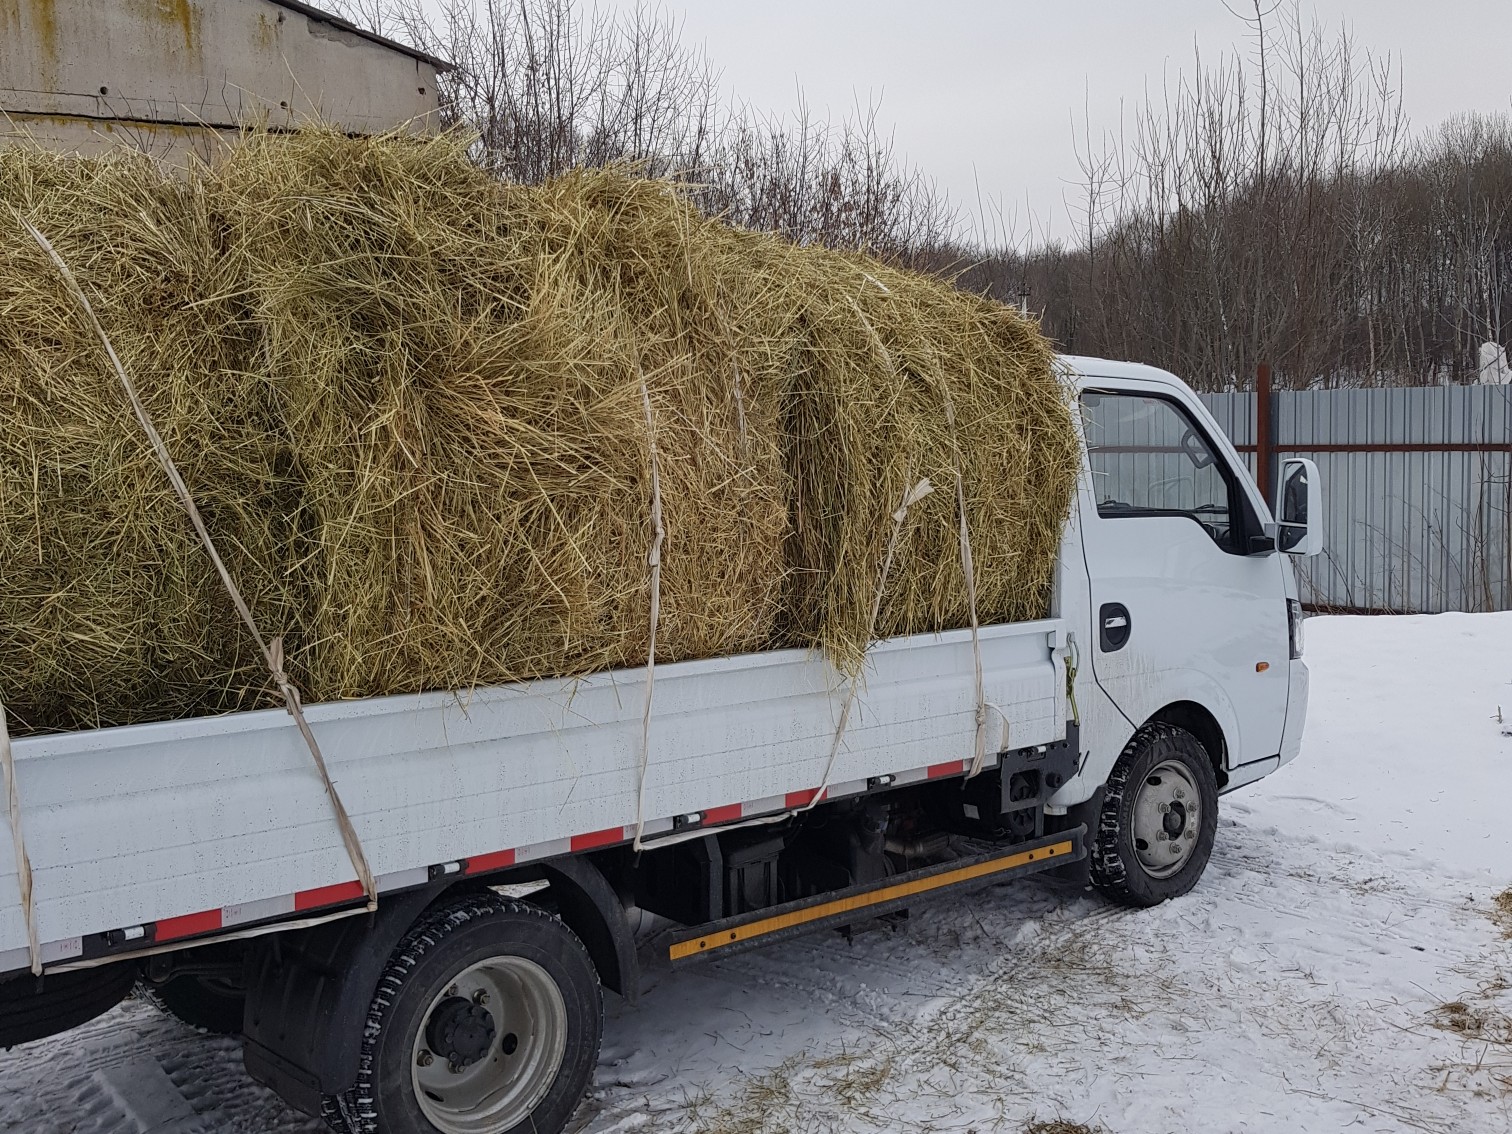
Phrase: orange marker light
{"type": "Point", "coordinates": [1261, 666]}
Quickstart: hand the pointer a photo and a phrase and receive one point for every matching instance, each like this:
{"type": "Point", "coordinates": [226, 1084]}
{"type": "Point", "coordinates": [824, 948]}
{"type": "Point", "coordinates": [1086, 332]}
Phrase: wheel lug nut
{"type": "Point", "coordinates": [425, 1059]}
{"type": "Point", "coordinates": [455, 1068]}
{"type": "Point", "coordinates": [1161, 836]}
{"type": "Point", "coordinates": [480, 997]}
{"type": "Point", "coordinates": [1165, 807]}
{"type": "Point", "coordinates": [1180, 794]}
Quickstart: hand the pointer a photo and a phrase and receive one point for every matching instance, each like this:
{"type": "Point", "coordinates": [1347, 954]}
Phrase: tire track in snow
{"type": "Point", "coordinates": [1291, 991]}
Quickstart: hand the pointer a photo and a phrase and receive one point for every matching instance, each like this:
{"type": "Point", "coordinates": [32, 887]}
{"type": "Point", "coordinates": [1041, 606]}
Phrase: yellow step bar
{"type": "Point", "coordinates": [711, 942]}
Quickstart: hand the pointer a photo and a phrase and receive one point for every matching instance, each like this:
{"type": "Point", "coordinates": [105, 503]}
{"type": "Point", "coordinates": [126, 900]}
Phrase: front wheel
{"type": "Point", "coordinates": [487, 1021]}
{"type": "Point", "coordinates": [1159, 818]}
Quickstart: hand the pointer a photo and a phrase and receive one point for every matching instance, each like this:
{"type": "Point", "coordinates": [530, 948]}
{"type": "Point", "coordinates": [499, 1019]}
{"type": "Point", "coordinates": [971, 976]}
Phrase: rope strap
{"type": "Point", "coordinates": [272, 651]}
{"type": "Point", "coordinates": [653, 560]}
{"type": "Point", "coordinates": [1073, 659]}
{"type": "Point", "coordinates": [910, 498]}
{"type": "Point", "coordinates": [18, 842]}
{"type": "Point", "coordinates": [969, 571]}
{"type": "Point", "coordinates": [979, 756]}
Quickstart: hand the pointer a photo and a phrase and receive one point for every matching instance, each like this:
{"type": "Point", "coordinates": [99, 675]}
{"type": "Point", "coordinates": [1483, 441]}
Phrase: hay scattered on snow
{"type": "Point", "coordinates": [407, 399]}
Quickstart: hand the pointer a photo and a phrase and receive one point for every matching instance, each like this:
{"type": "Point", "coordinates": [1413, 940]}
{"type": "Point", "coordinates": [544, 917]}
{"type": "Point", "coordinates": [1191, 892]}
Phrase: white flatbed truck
{"type": "Point", "coordinates": [198, 858]}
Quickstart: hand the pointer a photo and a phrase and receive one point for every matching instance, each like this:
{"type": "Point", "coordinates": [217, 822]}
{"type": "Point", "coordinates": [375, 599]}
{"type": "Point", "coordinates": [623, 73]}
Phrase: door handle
{"type": "Point", "coordinates": [1113, 626]}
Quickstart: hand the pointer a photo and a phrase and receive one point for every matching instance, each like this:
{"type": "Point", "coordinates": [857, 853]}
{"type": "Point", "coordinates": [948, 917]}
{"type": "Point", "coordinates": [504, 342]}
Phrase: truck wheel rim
{"type": "Point", "coordinates": [512, 1023]}
{"type": "Point", "coordinates": [1167, 819]}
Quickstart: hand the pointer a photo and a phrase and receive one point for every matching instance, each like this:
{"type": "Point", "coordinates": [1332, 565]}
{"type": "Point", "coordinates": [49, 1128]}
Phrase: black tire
{"type": "Point", "coordinates": [449, 941]}
{"type": "Point", "coordinates": [209, 1005]}
{"type": "Point", "coordinates": [65, 1001]}
{"type": "Point", "coordinates": [1118, 859]}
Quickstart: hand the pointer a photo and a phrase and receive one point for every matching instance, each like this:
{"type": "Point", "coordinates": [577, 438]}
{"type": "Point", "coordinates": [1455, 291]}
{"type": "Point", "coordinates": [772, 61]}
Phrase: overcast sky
{"type": "Point", "coordinates": [982, 92]}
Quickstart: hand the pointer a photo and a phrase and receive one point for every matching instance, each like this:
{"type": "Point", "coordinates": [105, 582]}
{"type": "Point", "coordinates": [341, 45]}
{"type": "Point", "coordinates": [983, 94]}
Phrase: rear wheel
{"type": "Point", "coordinates": [486, 1021]}
{"type": "Point", "coordinates": [32, 1009]}
{"type": "Point", "coordinates": [1159, 818]}
{"type": "Point", "coordinates": [209, 1003]}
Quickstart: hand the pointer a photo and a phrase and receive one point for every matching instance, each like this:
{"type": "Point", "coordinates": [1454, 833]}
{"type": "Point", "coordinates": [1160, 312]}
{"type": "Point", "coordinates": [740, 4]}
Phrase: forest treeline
{"type": "Point", "coordinates": [1269, 206]}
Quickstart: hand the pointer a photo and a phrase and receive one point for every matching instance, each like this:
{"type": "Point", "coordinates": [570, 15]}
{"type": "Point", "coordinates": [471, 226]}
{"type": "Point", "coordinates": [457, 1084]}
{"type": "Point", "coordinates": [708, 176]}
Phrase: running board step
{"type": "Point", "coordinates": [734, 934]}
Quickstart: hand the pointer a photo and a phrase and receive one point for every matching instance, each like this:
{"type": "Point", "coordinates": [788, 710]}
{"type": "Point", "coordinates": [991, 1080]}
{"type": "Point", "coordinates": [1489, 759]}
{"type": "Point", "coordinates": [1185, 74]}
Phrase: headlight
{"type": "Point", "coordinates": [1294, 618]}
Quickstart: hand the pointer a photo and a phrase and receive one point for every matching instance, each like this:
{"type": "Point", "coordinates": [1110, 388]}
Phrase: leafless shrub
{"type": "Point", "coordinates": [549, 85]}
{"type": "Point", "coordinates": [842, 186]}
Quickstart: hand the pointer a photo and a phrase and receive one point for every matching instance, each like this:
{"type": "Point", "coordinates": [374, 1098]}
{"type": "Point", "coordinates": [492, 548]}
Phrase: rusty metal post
{"type": "Point", "coordinates": [1265, 434]}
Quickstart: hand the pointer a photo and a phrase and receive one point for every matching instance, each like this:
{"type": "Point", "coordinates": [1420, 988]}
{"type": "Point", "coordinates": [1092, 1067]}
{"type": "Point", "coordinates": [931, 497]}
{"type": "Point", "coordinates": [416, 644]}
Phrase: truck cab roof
{"type": "Point", "coordinates": [1088, 367]}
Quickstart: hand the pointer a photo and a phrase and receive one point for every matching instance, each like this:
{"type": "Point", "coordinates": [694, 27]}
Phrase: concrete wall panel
{"type": "Point", "coordinates": [218, 64]}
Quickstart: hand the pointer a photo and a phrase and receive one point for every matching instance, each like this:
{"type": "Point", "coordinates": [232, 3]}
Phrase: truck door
{"type": "Point", "coordinates": [1186, 604]}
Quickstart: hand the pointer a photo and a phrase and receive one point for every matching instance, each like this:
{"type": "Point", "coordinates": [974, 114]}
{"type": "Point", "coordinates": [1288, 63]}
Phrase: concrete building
{"type": "Point", "coordinates": [179, 76]}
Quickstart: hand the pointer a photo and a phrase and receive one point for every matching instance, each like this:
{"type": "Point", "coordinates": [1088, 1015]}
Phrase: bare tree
{"type": "Point", "coordinates": [842, 186]}
{"type": "Point", "coordinates": [547, 86]}
{"type": "Point", "coordinates": [1273, 207]}
{"type": "Point", "coordinates": [1266, 205]}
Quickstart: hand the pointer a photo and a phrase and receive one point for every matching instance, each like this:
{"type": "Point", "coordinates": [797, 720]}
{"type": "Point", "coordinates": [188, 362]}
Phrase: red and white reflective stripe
{"type": "Point", "coordinates": [717, 815]}
{"type": "Point", "coordinates": [189, 925]}
{"type": "Point", "coordinates": [322, 898]}
{"type": "Point", "coordinates": [53, 953]}
{"type": "Point", "coordinates": [302, 901]}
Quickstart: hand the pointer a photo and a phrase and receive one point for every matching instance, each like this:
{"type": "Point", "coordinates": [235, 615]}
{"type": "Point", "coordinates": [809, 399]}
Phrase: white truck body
{"type": "Point", "coordinates": [195, 829]}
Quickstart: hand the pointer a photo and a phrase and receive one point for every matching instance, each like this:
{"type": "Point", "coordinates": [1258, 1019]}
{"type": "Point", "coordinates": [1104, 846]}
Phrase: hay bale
{"type": "Point", "coordinates": [407, 398]}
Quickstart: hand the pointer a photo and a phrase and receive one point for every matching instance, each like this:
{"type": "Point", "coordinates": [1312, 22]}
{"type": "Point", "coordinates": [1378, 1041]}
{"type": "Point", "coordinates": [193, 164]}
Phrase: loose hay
{"type": "Point", "coordinates": [407, 400]}
{"type": "Point", "coordinates": [1502, 911]}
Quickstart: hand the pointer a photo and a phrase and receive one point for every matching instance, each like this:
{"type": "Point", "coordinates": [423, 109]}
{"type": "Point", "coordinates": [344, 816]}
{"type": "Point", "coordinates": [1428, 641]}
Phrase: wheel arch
{"type": "Point", "coordinates": [588, 905]}
{"type": "Point", "coordinates": [1202, 724]}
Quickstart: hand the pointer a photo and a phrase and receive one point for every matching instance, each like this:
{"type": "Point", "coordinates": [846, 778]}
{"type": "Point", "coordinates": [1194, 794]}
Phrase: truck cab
{"type": "Point", "coordinates": [1174, 567]}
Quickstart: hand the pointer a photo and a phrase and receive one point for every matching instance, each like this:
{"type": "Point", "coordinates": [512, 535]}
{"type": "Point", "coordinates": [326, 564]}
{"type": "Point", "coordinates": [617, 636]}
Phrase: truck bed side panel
{"type": "Point", "coordinates": [132, 825]}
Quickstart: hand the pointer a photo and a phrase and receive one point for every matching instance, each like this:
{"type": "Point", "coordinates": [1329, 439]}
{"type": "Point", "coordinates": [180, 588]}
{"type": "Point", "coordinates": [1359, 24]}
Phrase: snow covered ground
{"type": "Point", "coordinates": [1340, 968]}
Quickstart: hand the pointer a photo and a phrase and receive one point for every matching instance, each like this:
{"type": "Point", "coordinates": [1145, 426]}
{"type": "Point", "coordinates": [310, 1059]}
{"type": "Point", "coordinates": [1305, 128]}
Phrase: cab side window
{"type": "Point", "coordinates": [1149, 458]}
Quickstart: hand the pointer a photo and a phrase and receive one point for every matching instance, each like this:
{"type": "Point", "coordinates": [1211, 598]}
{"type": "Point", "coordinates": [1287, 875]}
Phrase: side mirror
{"type": "Point", "coordinates": [1299, 520]}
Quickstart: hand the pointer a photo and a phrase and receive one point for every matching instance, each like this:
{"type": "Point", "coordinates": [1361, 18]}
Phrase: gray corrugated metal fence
{"type": "Point", "coordinates": [1418, 491]}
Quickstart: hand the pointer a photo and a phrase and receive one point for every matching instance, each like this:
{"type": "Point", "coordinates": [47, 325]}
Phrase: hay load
{"type": "Point", "coordinates": [412, 404]}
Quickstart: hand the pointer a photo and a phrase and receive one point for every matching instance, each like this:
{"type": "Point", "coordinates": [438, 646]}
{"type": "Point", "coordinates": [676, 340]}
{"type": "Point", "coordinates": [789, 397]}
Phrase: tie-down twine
{"type": "Point", "coordinates": [916, 493]}
{"type": "Point", "coordinates": [899, 516]}
{"type": "Point", "coordinates": [968, 568]}
{"type": "Point", "coordinates": [23, 862]}
{"type": "Point", "coordinates": [653, 560]}
{"type": "Point", "coordinates": [971, 596]}
{"type": "Point", "coordinates": [272, 650]}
